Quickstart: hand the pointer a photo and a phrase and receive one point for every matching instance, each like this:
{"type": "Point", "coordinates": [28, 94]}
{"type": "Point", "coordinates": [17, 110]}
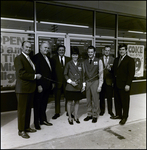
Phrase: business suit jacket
{"type": "Point", "coordinates": [25, 82]}
{"type": "Point", "coordinates": [124, 73]}
{"type": "Point", "coordinates": [43, 68]}
{"type": "Point", "coordinates": [25, 88]}
{"type": "Point", "coordinates": [58, 71]}
{"type": "Point", "coordinates": [75, 73]}
{"type": "Point", "coordinates": [108, 77]}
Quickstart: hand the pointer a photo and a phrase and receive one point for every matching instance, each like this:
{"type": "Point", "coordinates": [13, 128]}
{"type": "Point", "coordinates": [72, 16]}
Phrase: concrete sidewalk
{"type": "Point", "coordinates": [103, 134]}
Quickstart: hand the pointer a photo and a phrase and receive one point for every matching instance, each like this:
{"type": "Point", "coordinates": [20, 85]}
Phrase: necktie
{"type": "Point", "coordinates": [105, 61]}
{"type": "Point", "coordinates": [47, 61]}
{"type": "Point", "coordinates": [90, 61]}
{"type": "Point", "coordinates": [31, 62]}
{"type": "Point", "coordinates": [62, 60]}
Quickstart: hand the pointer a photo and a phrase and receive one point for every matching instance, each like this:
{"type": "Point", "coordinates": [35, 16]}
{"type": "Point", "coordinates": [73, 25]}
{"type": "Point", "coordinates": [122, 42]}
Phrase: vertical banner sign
{"type": "Point", "coordinates": [10, 48]}
{"type": "Point", "coordinates": [137, 52]}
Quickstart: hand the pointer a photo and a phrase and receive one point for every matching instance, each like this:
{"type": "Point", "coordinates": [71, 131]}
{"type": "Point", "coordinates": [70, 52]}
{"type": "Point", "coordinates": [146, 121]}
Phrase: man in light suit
{"type": "Point", "coordinates": [123, 71]}
{"type": "Point", "coordinates": [44, 85]}
{"type": "Point", "coordinates": [107, 87]}
{"type": "Point", "coordinates": [93, 76]}
{"type": "Point", "coordinates": [59, 62]}
{"type": "Point", "coordinates": [25, 87]}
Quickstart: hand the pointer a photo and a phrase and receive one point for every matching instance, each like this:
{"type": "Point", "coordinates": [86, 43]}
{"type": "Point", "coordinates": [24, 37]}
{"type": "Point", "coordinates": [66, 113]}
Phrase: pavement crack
{"type": "Point", "coordinates": [114, 133]}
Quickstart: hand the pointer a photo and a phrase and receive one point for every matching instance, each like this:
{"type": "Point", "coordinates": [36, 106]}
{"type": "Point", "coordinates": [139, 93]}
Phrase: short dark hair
{"type": "Point", "coordinates": [122, 45]}
{"type": "Point", "coordinates": [107, 46]}
{"type": "Point", "coordinates": [74, 50]}
{"type": "Point", "coordinates": [60, 46]}
{"type": "Point", "coordinates": [91, 47]}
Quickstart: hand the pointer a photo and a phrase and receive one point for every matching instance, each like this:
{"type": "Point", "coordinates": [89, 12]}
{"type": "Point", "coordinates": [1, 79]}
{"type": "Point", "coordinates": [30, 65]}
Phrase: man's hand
{"type": "Point", "coordinates": [83, 89]}
{"type": "Point", "coordinates": [74, 83]}
{"type": "Point", "coordinates": [99, 89]}
{"type": "Point", "coordinates": [40, 89]}
{"type": "Point", "coordinates": [38, 76]}
{"type": "Point", "coordinates": [127, 88]}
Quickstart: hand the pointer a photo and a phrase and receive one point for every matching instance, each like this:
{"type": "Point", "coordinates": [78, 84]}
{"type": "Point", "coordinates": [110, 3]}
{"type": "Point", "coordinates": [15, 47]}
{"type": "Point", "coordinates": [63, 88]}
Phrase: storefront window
{"type": "Point", "coordinates": [61, 19]}
{"type": "Point", "coordinates": [105, 25]}
{"type": "Point", "coordinates": [137, 50]}
{"type": "Point", "coordinates": [17, 16]}
{"type": "Point", "coordinates": [131, 27]}
{"type": "Point", "coordinates": [100, 45]}
{"type": "Point", "coordinates": [10, 48]}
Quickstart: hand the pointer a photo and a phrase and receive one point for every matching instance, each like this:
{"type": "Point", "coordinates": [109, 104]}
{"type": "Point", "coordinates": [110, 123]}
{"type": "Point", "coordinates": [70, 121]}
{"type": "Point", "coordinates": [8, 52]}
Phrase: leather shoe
{"type": "Point", "coordinates": [70, 122]}
{"type": "Point", "coordinates": [76, 120]}
{"type": "Point", "coordinates": [123, 121]}
{"type": "Point", "coordinates": [101, 113]}
{"type": "Point", "coordinates": [23, 134]}
{"type": "Point", "coordinates": [88, 118]}
{"type": "Point", "coordinates": [111, 115]}
{"type": "Point", "coordinates": [30, 130]}
{"type": "Point", "coordinates": [72, 116]}
{"type": "Point", "coordinates": [56, 116]}
{"type": "Point", "coordinates": [37, 127]}
{"type": "Point", "coordinates": [94, 120]}
{"type": "Point", "coordinates": [115, 117]}
{"type": "Point", "coordinates": [46, 123]}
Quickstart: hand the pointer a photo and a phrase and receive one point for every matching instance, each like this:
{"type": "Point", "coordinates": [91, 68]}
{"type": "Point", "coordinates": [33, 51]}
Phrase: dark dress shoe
{"type": "Point", "coordinates": [72, 116]}
{"type": "Point", "coordinates": [46, 123]}
{"type": "Point", "coordinates": [37, 127]}
{"type": "Point", "coordinates": [101, 113]}
{"type": "Point", "coordinates": [88, 118]}
{"type": "Point", "coordinates": [111, 115]}
{"type": "Point", "coordinates": [116, 117]}
{"type": "Point", "coordinates": [70, 122]}
{"type": "Point", "coordinates": [76, 120]}
{"type": "Point", "coordinates": [123, 121]}
{"type": "Point", "coordinates": [56, 116]}
{"type": "Point", "coordinates": [30, 130]}
{"type": "Point", "coordinates": [23, 134]}
{"type": "Point", "coordinates": [94, 120]}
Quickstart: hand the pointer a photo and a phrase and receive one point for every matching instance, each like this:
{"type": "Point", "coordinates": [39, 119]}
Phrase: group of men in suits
{"type": "Point", "coordinates": [35, 78]}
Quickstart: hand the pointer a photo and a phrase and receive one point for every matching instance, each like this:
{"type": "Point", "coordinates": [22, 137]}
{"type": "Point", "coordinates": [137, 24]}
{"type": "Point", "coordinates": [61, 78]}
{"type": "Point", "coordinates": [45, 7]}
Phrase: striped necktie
{"type": "Point", "coordinates": [30, 61]}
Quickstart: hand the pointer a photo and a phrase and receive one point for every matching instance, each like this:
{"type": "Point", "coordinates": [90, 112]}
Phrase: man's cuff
{"type": "Point", "coordinates": [35, 76]}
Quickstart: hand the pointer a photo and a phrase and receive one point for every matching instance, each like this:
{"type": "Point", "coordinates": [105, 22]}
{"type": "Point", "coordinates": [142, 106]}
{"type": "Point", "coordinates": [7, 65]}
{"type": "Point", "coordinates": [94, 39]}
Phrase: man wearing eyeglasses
{"type": "Point", "coordinates": [59, 62]}
{"type": "Point", "coordinates": [123, 71]}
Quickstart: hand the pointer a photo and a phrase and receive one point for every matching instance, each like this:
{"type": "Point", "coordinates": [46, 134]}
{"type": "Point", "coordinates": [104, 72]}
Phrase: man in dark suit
{"type": "Point", "coordinates": [25, 88]}
{"type": "Point", "coordinates": [123, 71]}
{"type": "Point", "coordinates": [59, 63]}
{"type": "Point", "coordinates": [107, 89]}
{"type": "Point", "coordinates": [44, 85]}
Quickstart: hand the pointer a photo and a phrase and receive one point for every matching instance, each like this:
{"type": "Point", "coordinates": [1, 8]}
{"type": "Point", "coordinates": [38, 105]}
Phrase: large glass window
{"type": "Point", "coordinates": [10, 48]}
{"type": "Point", "coordinates": [105, 24]}
{"type": "Point", "coordinates": [62, 19]}
{"type": "Point", "coordinates": [17, 16]}
{"type": "Point", "coordinates": [131, 27]}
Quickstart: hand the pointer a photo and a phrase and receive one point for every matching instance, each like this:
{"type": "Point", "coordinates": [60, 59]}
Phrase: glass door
{"type": "Point", "coordinates": [53, 40]}
{"type": "Point", "coordinates": [82, 44]}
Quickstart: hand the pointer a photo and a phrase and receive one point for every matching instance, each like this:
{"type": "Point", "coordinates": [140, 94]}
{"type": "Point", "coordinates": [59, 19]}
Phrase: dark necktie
{"type": "Point", "coordinates": [90, 61]}
{"type": "Point", "coordinates": [61, 60]}
{"type": "Point", "coordinates": [119, 61]}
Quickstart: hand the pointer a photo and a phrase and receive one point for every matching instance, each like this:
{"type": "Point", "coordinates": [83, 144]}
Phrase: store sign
{"type": "Point", "coordinates": [10, 48]}
{"type": "Point", "coordinates": [137, 52]}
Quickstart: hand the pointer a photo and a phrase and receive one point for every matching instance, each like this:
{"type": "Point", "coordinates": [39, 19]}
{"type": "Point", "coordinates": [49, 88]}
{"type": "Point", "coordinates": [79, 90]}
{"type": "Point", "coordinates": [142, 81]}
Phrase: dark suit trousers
{"type": "Point", "coordinates": [40, 105]}
{"type": "Point", "coordinates": [58, 93]}
{"type": "Point", "coordinates": [25, 101]}
{"type": "Point", "coordinates": [122, 100]}
{"type": "Point", "coordinates": [107, 92]}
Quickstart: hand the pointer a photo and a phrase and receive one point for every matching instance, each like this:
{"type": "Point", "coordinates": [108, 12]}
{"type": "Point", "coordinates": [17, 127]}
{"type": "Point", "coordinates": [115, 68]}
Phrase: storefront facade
{"type": "Point", "coordinates": [71, 23]}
